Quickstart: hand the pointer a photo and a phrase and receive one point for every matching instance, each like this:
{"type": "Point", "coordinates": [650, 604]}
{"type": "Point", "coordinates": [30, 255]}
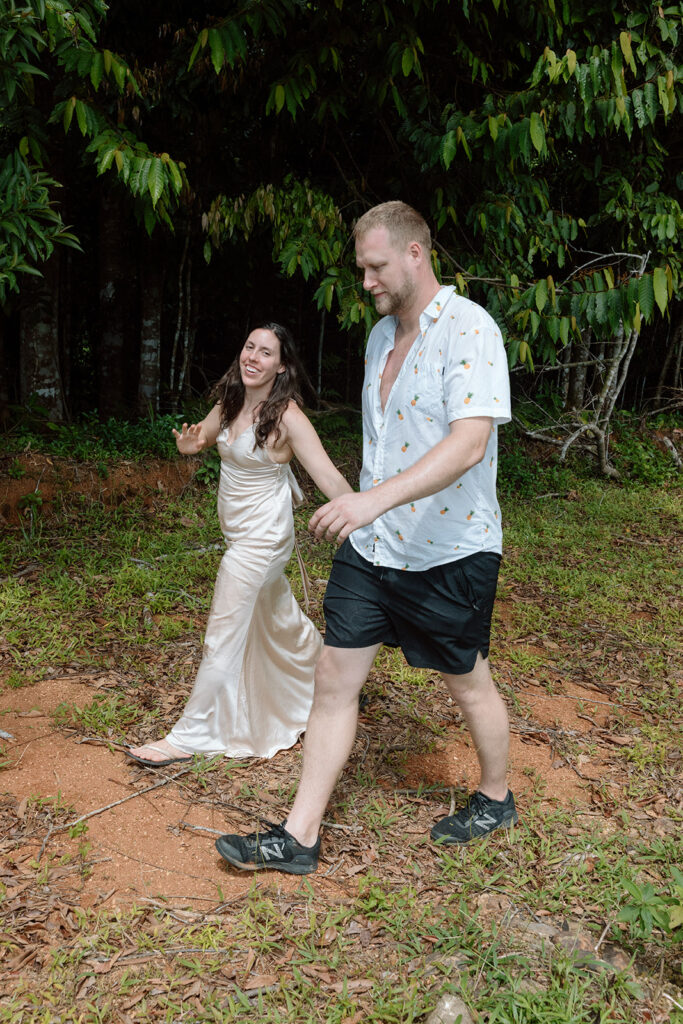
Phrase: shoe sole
{"type": "Point", "coordinates": [447, 840]}
{"type": "Point", "coordinates": [287, 868]}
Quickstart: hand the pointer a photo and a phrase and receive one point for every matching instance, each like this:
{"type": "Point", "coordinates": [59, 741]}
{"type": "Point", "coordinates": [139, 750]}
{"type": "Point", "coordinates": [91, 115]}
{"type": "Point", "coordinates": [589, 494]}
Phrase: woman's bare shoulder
{"type": "Point", "coordinates": [293, 414]}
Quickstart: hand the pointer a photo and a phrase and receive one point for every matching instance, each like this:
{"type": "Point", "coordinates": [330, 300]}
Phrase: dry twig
{"type": "Point", "coordinates": [107, 807]}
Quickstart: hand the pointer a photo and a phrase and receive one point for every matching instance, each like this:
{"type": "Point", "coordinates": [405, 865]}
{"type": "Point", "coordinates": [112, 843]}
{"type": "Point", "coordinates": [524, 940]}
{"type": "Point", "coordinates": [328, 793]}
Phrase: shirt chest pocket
{"type": "Point", "coordinates": [424, 389]}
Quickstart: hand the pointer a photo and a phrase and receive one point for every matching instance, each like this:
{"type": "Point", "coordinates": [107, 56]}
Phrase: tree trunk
{"type": "Point", "coordinates": [576, 395]}
{"type": "Point", "coordinates": [172, 376]}
{"type": "Point", "coordinates": [151, 300]}
{"type": "Point", "coordinates": [115, 276]}
{"type": "Point", "coordinates": [4, 377]}
{"type": "Point", "coordinates": [321, 342]}
{"type": "Point", "coordinates": [672, 356]}
{"type": "Point", "coordinates": [39, 365]}
{"type": "Point", "coordinates": [189, 335]}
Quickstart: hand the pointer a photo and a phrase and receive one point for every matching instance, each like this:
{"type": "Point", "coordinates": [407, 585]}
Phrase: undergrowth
{"type": "Point", "coordinates": [525, 468]}
{"type": "Point", "coordinates": [588, 616]}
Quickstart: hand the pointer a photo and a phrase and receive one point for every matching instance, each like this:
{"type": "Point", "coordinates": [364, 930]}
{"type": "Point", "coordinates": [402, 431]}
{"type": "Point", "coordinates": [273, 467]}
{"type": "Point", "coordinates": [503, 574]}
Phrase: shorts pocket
{"type": "Point", "coordinates": [480, 577]}
{"type": "Point", "coordinates": [467, 587]}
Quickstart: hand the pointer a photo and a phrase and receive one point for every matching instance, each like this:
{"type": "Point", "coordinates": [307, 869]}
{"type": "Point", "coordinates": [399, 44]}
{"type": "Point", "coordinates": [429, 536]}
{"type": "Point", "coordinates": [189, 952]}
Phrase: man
{"type": "Point", "coordinates": [421, 541]}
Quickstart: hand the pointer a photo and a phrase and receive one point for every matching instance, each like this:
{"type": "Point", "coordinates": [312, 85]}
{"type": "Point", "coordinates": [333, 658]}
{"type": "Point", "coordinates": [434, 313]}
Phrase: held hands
{"type": "Point", "coordinates": [190, 441]}
{"type": "Point", "coordinates": [344, 514]}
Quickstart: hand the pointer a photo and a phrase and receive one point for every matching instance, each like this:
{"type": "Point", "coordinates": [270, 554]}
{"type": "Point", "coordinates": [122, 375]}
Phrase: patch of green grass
{"type": "Point", "coordinates": [107, 715]}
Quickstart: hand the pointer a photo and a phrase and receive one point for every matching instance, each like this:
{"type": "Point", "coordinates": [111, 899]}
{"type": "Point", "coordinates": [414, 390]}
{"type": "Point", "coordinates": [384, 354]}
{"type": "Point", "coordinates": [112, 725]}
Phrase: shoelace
{"type": "Point", "coordinates": [477, 802]}
{"type": "Point", "coordinates": [272, 827]}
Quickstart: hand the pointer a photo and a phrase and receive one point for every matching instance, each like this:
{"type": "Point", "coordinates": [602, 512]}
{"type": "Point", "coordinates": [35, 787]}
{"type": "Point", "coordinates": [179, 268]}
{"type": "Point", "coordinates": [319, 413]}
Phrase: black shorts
{"type": "Point", "coordinates": [440, 617]}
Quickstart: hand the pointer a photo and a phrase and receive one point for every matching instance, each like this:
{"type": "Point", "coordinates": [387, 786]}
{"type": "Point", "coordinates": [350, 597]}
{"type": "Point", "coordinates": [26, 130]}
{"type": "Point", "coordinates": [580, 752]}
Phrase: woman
{"type": "Point", "coordinates": [254, 687]}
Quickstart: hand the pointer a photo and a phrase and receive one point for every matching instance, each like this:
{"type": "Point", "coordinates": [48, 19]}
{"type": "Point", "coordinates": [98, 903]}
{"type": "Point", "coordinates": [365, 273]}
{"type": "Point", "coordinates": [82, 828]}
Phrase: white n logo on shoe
{"type": "Point", "coordinates": [273, 850]}
{"type": "Point", "coordinates": [485, 821]}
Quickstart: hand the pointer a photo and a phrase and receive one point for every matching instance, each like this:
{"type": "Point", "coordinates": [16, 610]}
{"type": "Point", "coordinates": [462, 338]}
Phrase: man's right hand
{"type": "Point", "coordinates": [344, 514]}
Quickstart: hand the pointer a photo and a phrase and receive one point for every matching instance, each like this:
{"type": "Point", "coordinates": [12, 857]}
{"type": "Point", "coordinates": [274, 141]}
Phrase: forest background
{"type": "Point", "coordinates": [173, 174]}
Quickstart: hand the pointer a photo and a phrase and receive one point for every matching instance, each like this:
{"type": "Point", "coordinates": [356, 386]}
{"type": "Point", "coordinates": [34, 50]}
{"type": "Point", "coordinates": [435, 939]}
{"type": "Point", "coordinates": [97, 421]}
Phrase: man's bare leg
{"type": "Point", "coordinates": [330, 732]}
{"type": "Point", "coordinates": [486, 718]}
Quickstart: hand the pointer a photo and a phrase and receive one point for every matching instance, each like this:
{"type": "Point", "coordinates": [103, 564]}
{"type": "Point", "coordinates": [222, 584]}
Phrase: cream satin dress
{"type": "Point", "coordinates": [254, 688]}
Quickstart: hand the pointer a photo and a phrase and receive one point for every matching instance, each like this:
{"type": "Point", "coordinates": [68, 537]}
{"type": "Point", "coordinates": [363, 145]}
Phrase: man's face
{"type": "Point", "coordinates": [388, 271]}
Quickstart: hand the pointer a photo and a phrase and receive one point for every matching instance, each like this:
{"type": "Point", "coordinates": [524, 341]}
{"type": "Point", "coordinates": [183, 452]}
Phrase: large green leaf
{"type": "Point", "coordinates": [646, 297]}
{"type": "Point", "coordinates": [659, 286]}
{"type": "Point", "coordinates": [449, 147]}
{"type": "Point", "coordinates": [541, 295]}
{"type": "Point", "coordinates": [156, 180]}
{"type": "Point", "coordinates": [537, 131]}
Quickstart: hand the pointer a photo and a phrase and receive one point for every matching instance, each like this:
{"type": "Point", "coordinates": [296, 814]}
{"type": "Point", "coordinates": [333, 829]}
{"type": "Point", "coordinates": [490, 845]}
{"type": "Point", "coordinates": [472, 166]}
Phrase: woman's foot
{"type": "Point", "coordinates": [157, 755]}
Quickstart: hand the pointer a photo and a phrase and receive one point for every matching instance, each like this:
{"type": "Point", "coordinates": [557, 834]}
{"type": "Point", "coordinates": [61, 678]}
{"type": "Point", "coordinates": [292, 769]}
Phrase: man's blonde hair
{"type": "Point", "coordinates": [403, 224]}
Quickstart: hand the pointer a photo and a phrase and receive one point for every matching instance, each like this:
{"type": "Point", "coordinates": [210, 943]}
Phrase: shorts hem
{"type": "Point", "coordinates": [342, 645]}
{"type": "Point", "coordinates": [448, 671]}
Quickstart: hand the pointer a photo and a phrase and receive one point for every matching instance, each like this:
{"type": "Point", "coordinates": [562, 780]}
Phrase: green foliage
{"type": "Point", "coordinates": [523, 474]}
{"type": "Point", "coordinates": [92, 440]}
{"type": "Point", "coordinates": [30, 227]}
{"type": "Point", "coordinates": [636, 453]}
{"type": "Point", "coordinates": [548, 174]}
{"type": "Point", "coordinates": [210, 469]}
{"type": "Point", "coordinates": [34, 37]}
{"type": "Point", "coordinates": [649, 908]}
{"type": "Point", "coordinates": [106, 715]}
{"type": "Point", "coordinates": [543, 160]}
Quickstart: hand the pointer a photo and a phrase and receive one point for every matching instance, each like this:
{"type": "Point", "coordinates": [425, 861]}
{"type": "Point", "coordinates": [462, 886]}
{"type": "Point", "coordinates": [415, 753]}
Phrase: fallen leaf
{"type": "Point", "coordinates": [355, 870]}
{"type": "Point", "coordinates": [329, 935]}
{"type": "Point", "coordinates": [259, 981]}
{"type": "Point", "coordinates": [85, 987]}
{"type": "Point", "coordinates": [104, 967]}
{"type": "Point", "coordinates": [131, 1002]}
{"type": "Point", "coordinates": [360, 985]}
{"type": "Point", "coordinates": [621, 741]}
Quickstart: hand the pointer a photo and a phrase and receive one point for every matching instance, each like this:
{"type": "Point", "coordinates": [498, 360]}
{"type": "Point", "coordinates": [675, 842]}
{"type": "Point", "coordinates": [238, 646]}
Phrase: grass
{"type": "Point", "coordinates": [588, 598]}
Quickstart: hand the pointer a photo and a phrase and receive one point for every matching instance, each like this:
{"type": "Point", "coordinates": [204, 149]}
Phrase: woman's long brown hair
{"type": "Point", "coordinates": [229, 391]}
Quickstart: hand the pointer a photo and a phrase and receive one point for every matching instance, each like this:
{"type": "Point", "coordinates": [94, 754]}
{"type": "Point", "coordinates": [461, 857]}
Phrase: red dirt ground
{"type": "Point", "coordinates": [52, 476]}
{"type": "Point", "coordinates": [140, 849]}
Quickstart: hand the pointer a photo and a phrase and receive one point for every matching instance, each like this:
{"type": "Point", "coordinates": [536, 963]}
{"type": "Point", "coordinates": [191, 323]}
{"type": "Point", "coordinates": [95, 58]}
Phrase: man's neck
{"type": "Point", "coordinates": [409, 319]}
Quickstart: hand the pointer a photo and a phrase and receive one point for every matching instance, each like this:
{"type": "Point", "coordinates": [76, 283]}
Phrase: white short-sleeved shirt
{"type": "Point", "coordinates": [456, 368]}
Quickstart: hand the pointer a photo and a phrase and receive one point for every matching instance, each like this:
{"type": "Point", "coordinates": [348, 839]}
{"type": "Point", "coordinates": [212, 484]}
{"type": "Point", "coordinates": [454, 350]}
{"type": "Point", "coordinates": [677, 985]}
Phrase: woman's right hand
{"type": "Point", "coordinates": [191, 440]}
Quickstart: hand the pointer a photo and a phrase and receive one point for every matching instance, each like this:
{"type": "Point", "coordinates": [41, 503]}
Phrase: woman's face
{"type": "Point", "coordinates": [260, 360]}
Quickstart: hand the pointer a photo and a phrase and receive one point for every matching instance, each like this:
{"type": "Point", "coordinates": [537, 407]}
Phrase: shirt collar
{"type": "Point", "coordinates": [429, 315]}
{"type": "Point", "coordinates": [433, 310]}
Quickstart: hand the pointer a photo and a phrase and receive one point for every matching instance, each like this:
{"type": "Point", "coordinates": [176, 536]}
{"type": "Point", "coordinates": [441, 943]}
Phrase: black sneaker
{"type": "Point", "coordinates": [478, 817]}
{"type": "Point", "coordinates": [273, 848]}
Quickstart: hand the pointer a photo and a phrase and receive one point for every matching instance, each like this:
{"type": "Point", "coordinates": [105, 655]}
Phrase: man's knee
{"type": "Point", "coordinates": [471, 686]}
{"type": "Point", "coordinates": [339, 676]}
{"type": "Point", "coordinates": [326, 671]}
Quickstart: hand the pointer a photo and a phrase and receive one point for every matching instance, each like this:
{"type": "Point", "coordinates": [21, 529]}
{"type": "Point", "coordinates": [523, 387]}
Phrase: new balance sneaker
{"type": "Point", "coordinates": [477, 818]}
{"type": "Point", "coordinates": [273, 848]}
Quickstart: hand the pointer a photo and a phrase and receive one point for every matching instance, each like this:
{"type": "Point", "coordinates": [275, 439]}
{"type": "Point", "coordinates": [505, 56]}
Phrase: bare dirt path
{"type": "Point", "coordinates": [143, 847]}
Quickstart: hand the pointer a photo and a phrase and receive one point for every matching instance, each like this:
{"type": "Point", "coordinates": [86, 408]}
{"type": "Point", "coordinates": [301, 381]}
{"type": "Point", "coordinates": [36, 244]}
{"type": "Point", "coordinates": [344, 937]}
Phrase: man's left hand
{"type": "Point", "coordinates": [344, 514]}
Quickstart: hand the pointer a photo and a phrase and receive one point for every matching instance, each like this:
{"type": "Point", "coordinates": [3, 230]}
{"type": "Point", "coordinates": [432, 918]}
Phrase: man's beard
{"type": "Point", "coordinates": [393, 302]}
